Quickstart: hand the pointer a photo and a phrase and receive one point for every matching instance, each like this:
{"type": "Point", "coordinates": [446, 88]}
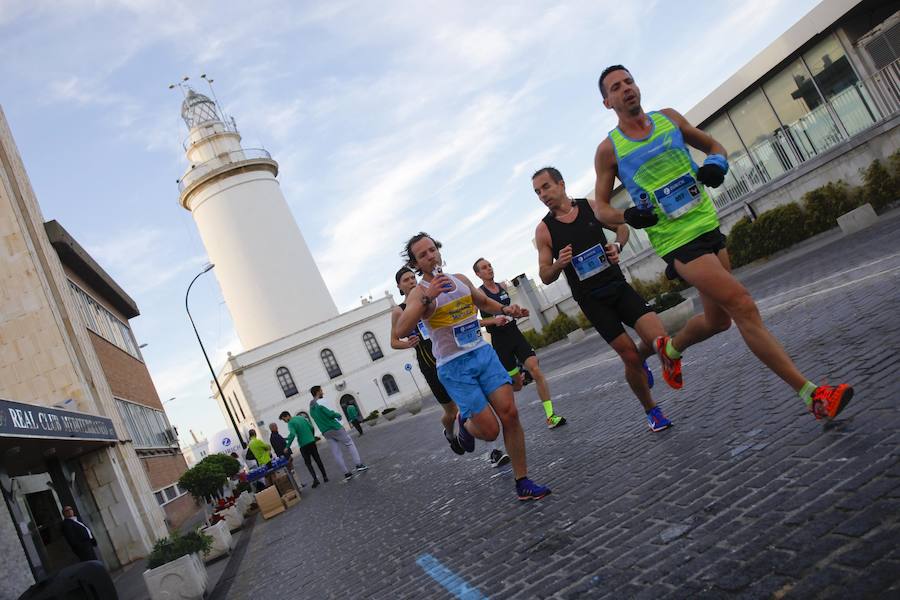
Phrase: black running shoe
{"type": "Point", "coordinates": [454, 443]}
{"type": "Point", "coordinates": [499, 458]}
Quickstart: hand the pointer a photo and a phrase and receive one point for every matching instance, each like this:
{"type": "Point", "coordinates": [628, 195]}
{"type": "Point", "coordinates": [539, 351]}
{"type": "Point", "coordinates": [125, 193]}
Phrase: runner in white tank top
{"type": "Point", "coordinates": [467, 366]}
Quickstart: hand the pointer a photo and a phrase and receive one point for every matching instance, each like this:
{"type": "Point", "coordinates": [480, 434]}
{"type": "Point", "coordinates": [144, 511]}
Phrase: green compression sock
{"type": "Point", "coordinates": [806, 392]}
{"type": "Point", "coordinates": [548, 408]}
{"type": "Point", "coordinates": [671, 352]}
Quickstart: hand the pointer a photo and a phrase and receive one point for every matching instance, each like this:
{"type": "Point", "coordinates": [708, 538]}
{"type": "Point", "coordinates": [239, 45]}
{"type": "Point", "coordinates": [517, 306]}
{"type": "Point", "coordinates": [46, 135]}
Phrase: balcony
{"type": "Point", "coordinates": [214, 165]}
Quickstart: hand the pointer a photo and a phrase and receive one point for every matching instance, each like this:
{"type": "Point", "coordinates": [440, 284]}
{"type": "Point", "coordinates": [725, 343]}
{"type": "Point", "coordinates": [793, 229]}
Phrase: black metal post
{"type": "Point", "coordinates": [209, 364]}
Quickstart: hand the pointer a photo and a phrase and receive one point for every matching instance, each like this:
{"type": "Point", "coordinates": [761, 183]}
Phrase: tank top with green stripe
{"type": "Point", "coordinates": [658, 172]}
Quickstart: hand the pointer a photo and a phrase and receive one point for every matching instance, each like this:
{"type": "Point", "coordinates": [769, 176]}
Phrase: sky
{"type": "Point", "coordinates": [386, 118]}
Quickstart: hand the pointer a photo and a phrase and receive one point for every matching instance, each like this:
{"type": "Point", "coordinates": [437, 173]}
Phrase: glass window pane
{"type": "Point", "coordinates": [759, 128]}
{"type": "Point", "coordinates": [838, 83]}
{"type": "Point", "coordinates": [742, 175]}
{"type": "Point", "coordinates": [802, 110]}
{"type": "Point", "coordinates": [160, 499]}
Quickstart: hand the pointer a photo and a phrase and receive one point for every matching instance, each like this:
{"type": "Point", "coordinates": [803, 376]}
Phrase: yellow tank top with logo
{"type": "Point", "coordinates": [454, 323]}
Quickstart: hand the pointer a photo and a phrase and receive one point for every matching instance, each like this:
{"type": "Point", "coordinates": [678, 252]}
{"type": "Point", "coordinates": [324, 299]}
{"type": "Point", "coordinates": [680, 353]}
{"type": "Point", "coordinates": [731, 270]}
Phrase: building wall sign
{"type": "Point", "coordinates": [28, 420]}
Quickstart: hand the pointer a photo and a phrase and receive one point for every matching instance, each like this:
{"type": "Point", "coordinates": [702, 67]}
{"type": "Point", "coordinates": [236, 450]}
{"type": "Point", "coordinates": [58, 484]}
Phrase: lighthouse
{"type": "Point", "coordinates": [268, 277]}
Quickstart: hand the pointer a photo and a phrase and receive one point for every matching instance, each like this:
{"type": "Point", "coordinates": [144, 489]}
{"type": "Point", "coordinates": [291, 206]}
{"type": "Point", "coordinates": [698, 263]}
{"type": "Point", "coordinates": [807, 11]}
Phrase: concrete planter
{"type": "Point", "coordinates": [857, 219]}
{"type": "Point", "coordinates": [371, 422]}
{"type": "Point", "coordinates": [184, 578]}
{"type": "Point", "coordinates": [233, 517]}
{"type": "Point", "coordinates": [675, 318]}
{"type": "Point", "coordinates": [223, 543]}
{"type": "Point", "coordinates": [414, 406]}
{"type": "Point", "coordinates": [390, 415]}
{"type": "Point", "coordinates": [244, 501]}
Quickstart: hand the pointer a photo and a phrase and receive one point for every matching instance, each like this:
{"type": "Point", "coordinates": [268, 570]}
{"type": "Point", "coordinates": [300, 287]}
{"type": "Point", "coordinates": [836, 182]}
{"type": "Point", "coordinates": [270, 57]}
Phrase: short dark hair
{"type": "Point", "coordinates": [314, 389]}
{"type": "Point", "coordinates": [553, 172]}
{"type": "Point", "coordinates": [284, 414]}
{"type": "Point", "coordinates": [606, 72]}
{"type": "Point", "coordinates": [252, 433]}
{"type": "Point", "coordinates": [403, 271]}
{"type": "Point", "coordinates": [475, 265]}
{"type": "Point", "coordinates": [408, 253]}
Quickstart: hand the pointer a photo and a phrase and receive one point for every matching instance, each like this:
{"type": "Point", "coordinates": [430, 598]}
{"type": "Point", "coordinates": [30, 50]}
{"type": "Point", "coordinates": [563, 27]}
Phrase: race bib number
{"type": "Point", "coordinates": [590, 262]}
{"type": "Point", "coordinates": [504, 297]}
{"type": "Point", "coordinates": [423, 330]}
{"type": "Point", "coordinates": [467, 334]}
{"type": "Point", "coordinates": [678, 196]}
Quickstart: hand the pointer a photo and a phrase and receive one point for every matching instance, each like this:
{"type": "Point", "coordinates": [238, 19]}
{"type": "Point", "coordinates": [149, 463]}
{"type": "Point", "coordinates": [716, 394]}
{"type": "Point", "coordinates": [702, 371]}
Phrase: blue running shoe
{"type": "Point", "coordinates": [465, 438]}
{"type": "Point", "coordinates": [529, 490]}
{"type": "Point", "coordinates": [656, 420]}
{"type": "Point", "coordinates": [649, 375]}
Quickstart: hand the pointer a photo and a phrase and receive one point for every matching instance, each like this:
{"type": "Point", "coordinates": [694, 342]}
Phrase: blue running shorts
{"type": "Point", "coordinates": [470, 377]}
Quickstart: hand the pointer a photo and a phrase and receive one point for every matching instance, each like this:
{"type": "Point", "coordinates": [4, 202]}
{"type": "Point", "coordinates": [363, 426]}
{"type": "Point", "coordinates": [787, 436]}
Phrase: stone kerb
{"type": "Point", "coordinates": [857, 219]}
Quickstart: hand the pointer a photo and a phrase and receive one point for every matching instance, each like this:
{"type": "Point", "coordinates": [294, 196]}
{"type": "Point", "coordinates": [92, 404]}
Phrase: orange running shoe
{"type": "Point", "coordinates": [671, 366]}
{"type": "Point", "coordinates": [829, 400]}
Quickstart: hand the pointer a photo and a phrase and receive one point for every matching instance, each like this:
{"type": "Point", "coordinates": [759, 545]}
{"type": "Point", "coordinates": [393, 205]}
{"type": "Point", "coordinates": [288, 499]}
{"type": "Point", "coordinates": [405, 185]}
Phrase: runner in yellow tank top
{"type": "Point", "coordinates": [667, 188]}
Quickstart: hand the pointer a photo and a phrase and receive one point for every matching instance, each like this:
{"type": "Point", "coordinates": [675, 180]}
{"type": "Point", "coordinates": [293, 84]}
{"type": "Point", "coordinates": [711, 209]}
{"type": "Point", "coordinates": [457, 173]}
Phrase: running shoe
{"type": "Point", "coordinates": [829, 400]}
{"type": "Point", "coordinates": [671, 366]}
{"type": "Point", "coordinates": [649, 374]}
{"type": "Point", "coordinates": [463, 436]}
{"type": "Point", "coordinates": [316, 483]}
{"type": "Point", "coordinates": [499, 458]}
{"type": "Point", "coordinates": [526, 489]}
{"type": "Point", "coordinates": [347, 477]}
{"type": "Point", "coordinates": [454, 443]}
{"type": "Point", "coordinates": [656, 420]}
{"type": "Point", "coordinates": [361, 467]}
{"type": "Point", "coordinates": [554, 421]}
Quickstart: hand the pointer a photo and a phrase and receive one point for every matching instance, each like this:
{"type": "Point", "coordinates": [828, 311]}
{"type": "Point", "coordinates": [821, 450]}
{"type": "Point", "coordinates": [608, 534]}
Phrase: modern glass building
{"type": "Point", "coordinates": [820, 101]}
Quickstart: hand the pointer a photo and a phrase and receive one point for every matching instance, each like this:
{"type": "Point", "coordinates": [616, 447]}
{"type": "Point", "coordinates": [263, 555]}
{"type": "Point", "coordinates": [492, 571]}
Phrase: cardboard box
{"type": "Point", "coordinates": [269, 502]}
{"type": "Point", "coordinates": [290, 499]}
{"type": "Point", "coordinates": [283, 484]}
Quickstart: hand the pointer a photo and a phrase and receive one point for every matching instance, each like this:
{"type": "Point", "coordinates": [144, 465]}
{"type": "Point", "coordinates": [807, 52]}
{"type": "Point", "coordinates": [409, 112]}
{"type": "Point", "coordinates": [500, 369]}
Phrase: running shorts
{"type": "Point", "coordinates": [708, 243]}
{"type": "Point", "coordinates": [512, 348]}
{"type": "Point", "coordinates": [470, 377]}
{"type": "Point", "coordinates": [612, 305]}
{"type": "Point", "coordinates": [437, 388]}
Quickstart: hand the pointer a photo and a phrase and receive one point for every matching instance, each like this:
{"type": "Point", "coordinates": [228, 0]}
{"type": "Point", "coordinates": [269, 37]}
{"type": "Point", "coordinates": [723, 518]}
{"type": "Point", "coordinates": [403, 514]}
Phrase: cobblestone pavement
{"type": "Point", "coordinates": [747, 496]}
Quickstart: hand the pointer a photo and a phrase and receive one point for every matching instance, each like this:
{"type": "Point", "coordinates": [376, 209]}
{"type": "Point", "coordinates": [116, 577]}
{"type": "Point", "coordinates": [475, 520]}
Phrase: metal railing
{"type": "Point", "coordinates": [885, 87]}
{"type": "Point", "coordinates": [198, 171]}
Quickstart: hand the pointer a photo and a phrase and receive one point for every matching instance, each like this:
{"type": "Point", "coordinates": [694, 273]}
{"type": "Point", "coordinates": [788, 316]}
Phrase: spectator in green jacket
{"type": "Point", "coordinates": [353, 417]}
{"type": "Point", "coordinates": [259, 449]}
{"type": "Point", "coordinates": [301, 430]}
{"type": "Point", "coordinates": [329, 424]}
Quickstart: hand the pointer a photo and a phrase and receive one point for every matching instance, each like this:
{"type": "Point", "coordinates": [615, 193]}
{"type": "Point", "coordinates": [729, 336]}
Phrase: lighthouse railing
{"type": "Point", "coordinates": [200, 170]}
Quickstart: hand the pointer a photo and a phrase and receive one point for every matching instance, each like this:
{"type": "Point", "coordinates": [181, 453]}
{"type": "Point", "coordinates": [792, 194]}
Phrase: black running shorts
{"type": "Point", "coordinates": [512, 348]}
{"type": "Point", "coordinates": [612, 305]}
{"type": "Point", "coordinates": [437, 388]}
{"type": "Point", "coordinates": [708, 243]}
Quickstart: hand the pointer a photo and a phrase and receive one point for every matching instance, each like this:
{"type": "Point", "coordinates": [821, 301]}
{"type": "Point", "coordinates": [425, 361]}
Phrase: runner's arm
{"type": "Point", "coordinates": [606, 168]}
{"type": "Point", "coordinates": [414, 311]}
{"type": "Point", "coordinates": [396, 342]}
{"type": "Point", "coordinates": [622, 233]}
{"type": "Point", "coordinates": [548, 270]}
{"type": "Point", "coordinates": [697, 138]}
{"type": "Point", "coordinates": [481, 300]}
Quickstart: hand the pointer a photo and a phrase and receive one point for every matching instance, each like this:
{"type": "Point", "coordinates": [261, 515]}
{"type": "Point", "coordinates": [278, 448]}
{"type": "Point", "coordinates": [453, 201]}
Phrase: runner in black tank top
{"type": "Point", "coordinates": [511, 346]}
{"type": "Point", "coordinates": [571, 240]}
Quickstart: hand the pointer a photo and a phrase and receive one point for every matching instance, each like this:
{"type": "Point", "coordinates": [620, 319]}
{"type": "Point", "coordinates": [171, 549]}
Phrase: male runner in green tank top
{"type": "Point", "coordinates": [647, 152]}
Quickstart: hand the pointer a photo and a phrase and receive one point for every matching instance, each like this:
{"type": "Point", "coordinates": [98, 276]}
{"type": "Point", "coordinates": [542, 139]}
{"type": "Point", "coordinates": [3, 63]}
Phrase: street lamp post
{"type": "Point", "coordinates": [209, 364]}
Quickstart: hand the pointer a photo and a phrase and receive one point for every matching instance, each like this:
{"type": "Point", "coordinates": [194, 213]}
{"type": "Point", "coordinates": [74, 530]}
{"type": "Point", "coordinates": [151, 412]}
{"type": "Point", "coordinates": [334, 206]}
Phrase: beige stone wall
{"type": "Point", "coordinates": [46, 355]}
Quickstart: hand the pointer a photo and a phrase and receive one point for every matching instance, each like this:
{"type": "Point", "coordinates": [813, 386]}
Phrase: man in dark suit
{"type": "Point", "coordinates": [79, 536]}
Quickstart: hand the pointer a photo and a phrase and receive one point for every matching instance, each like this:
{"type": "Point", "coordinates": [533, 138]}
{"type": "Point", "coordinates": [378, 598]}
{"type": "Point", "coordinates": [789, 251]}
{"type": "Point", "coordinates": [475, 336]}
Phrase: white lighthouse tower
{"type": "Point", "coordinates": [270, 281]}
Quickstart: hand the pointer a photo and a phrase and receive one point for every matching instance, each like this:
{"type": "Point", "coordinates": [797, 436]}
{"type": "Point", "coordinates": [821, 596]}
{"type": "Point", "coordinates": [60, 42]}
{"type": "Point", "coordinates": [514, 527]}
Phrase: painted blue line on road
{"type": "Point", "coordinates": [450, 581]}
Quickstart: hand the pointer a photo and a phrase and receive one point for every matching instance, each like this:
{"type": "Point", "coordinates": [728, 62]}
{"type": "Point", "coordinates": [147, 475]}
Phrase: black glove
{"type": "Point", "coordinates": [711, 175]}
{"type": "Point", "coordinates": [639, 219]}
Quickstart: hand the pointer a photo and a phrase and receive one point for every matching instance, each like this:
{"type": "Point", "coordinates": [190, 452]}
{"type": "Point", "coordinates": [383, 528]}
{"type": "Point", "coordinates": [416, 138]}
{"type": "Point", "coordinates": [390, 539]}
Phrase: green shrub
{"type": "Point", "coordinates": [372, 416]}
{"type": "Point", "coordinates": [535, 339]}
{"type": "Point", "coordinates": [667, 301]}
{"type": "Point", "coordinates": [558, 329]}
{"type": "Point", "coordinates": [229, 465]}
{"type": "Point", "coordinates": [388, 410]}
{"type": "Point", "coordinates": [894, 168]}
{"type": "Point", "coordinates": [583, 322]}
{"type": "Point", "coordinates": [655, 287]}
{"type": "Point", "coordinates": [825, 204]}
{"type": "Point", "coordinates": [168, 549]}
{"type": "Point", "coordinates": [740, 243]}
{"type": "Point", "coordinates": [203, 480]}
{"type": "Point", "coordinates": [879, 187]}
{"type": "Point", "coordinates": [779, 228]}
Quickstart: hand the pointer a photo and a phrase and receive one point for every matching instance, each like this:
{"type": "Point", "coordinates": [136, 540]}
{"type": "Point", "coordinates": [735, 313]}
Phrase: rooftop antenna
{"type": "Point", "coordinates": [180, 86]}
{"type": "Point", "coordinates": [209, 81]}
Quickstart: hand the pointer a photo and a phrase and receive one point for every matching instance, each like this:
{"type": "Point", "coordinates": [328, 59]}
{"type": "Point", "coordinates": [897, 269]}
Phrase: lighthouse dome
{"type": "Point", "coordinates": [197, 109]}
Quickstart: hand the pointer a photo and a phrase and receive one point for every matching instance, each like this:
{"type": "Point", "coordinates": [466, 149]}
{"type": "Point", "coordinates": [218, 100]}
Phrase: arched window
{"type": "Point", "coordinates": [286, 382]}
{"type": "Point", "coordinates": [372, 345]}
{"type": "Point", "coordinates": [331, 364]}
{"type": "Point", "coordinates": [390, 385]}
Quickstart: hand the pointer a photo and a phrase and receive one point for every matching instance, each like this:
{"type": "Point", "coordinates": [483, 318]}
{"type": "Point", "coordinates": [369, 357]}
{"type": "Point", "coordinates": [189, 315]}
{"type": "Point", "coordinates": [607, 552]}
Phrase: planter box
{"type": "Point", "coordinates": [371, 422]}
{"type": "Point", "coordinates": [414, 406]}
{"type": "Point", "coordinates": [857, 219]}
{"type": "Point", "coordinates": [674, 318]}
{"type": "Point", "coordinates": [223, 542]}
{"type": "Point", "coordinates": [234, 517]}
{"type": "Point", "coordinates": [182, 579]}
{"type": "Point", "coordinates": [243, 502]}
{"type": "Point", "coordinates": [390, 415]}
{"type": "Point", "coordinates": [576, 336]}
